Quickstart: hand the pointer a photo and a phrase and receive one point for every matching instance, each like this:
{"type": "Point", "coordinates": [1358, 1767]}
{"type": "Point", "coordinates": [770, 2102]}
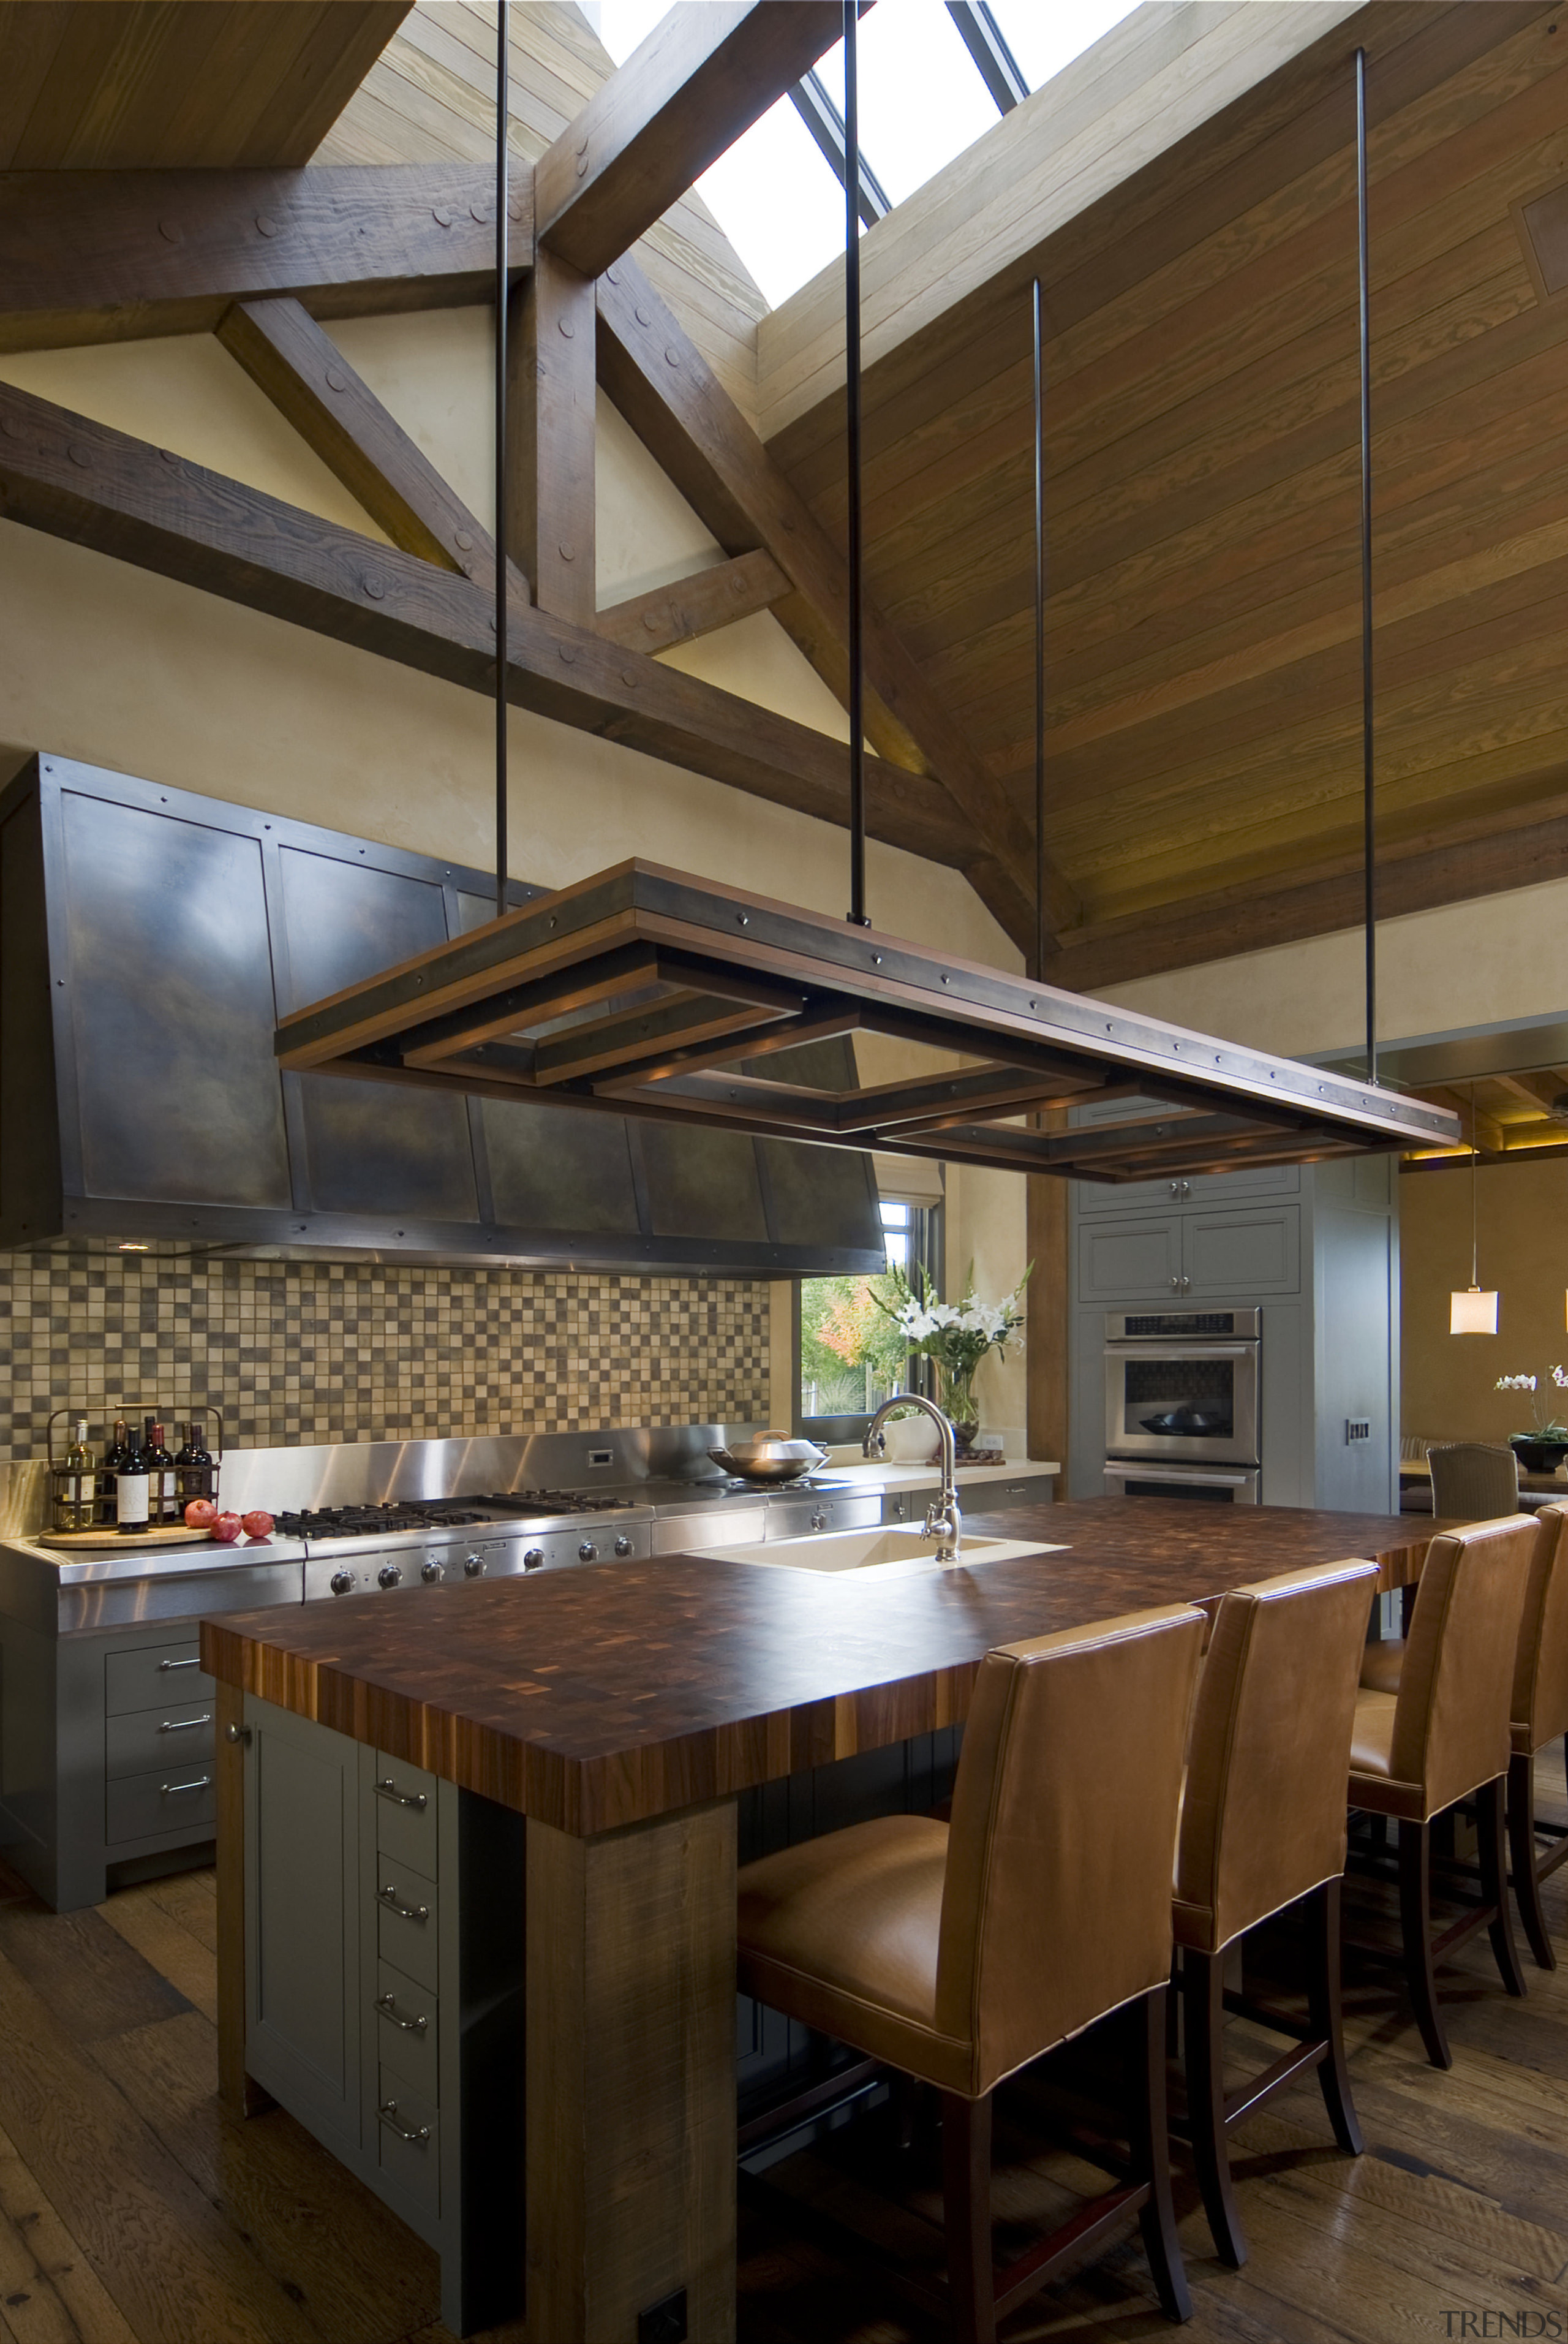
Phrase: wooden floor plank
{"type": "Point", "coordinates": [355, 2271]}
{"type": "Point", "coordinates": [84, 1966]}
{"type": "Point", "coordinates": [50, 2294]}
{"type": "Point", "coordinates": [167, 1944]}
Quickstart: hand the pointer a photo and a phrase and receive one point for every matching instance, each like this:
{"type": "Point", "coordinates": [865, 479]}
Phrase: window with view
{"type": "Point", "coordinates": [851, 1357]}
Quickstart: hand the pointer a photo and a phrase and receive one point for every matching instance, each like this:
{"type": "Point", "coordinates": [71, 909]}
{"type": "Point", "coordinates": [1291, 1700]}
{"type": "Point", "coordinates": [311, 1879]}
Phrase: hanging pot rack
{"type": "Point", "coordinates": [656, 994]}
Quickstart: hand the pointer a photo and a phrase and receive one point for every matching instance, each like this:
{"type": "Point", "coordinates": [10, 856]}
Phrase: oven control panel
{"type": "Point", "coordinates": [378, 1569]}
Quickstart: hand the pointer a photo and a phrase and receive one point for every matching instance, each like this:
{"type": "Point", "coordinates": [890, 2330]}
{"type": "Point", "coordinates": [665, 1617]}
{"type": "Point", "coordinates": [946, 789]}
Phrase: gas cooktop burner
{"type": "Point", "coordinates": [378, 1521]}
{"type": "Point", "coordinates": [556, 1502]}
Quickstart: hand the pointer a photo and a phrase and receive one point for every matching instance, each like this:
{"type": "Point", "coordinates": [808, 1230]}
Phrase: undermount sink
{"type": "Point", "coordinates": [888, 1553]}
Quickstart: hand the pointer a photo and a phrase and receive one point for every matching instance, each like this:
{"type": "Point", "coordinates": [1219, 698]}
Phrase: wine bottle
{"type": "Point", "coordinates": [83, 1486]}
{"type": "Point", "coordinates": [108, 1475]}
{"type": "Point", "coordinates": [160, 1476]}
{"type": "Point", "coordinates": [131, 1489]}
{"type": "Point", "coordinates": [193, 1468]}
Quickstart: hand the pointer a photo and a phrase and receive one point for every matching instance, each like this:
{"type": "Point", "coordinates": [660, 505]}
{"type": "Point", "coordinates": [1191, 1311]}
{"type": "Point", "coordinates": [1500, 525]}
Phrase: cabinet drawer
{"type": "Point", "coordinates": [405, 1814]}
{"type": "Point", "coordinates": [406, 2048]}
{"type": "Point", "coordinates": [175, 1798]}
{"type": "Point", "coordinates": [180, 1735]}
{"type": "Point", "coordinates": [153, 1673]}
{"type": "Point", "coordinates": [415, 2165]}
{"type": "Point", "coordinates": [406, 1920]}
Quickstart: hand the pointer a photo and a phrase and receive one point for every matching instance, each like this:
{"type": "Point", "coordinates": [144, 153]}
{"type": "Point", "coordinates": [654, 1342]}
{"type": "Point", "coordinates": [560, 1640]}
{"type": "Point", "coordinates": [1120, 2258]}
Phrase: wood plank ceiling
{"type": "Point", "coordinates": [1202, 644]}
{"type": "Point", "coordinates": [142, 85]}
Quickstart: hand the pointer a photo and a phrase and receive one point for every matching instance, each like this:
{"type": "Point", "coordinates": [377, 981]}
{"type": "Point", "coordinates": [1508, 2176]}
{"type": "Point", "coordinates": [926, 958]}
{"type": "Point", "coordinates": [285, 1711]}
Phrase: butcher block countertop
{"type": "Point", "coordinates": [604, 1696]}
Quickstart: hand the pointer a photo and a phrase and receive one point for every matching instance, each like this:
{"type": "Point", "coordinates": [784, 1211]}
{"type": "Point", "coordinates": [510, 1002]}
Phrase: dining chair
{"type": "Point", "coordinates": [1263, 1828]}
{"type": "Point", "coordinates": [1472, 1480]}
{"type": "Point", "coordinates": [959, 1953]}
{"type": "Point", "coordinates": [1443, 1735]}
{"type": "Point", "coordinates": [1539, 1714]}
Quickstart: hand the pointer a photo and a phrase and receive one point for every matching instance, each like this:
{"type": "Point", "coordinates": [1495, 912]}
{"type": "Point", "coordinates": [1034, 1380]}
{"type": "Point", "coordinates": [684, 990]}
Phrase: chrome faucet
{"type": "Point", "coordinates": [943, 1519]}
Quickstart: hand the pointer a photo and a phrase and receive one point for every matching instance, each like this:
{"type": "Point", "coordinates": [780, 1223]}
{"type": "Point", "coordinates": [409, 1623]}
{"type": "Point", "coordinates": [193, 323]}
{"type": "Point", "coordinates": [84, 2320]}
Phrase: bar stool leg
{"type": "Point", "coordinates": [1204, 2014]}
{"type": "Point", "coordinates": [1149, 2140]}
{"type": "Point", "coordinates": [1414, 1910]}
{"type": "Point", "coordinates": [1521, 1857]}
{"type": "Point", "coordinates": [1325, 2009]}
{"type": "Point", "coordinates": [965, 2207]}
{"type": "Point", "coordinates": [1490, 1833]}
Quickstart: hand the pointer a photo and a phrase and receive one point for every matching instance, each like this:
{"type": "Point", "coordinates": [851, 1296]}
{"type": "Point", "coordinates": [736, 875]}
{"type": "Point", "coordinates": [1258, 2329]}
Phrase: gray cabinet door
{"type": "Point", "coordinates": [1128, 1261]}
{"type": "Point", "coordinates": [1242, 1253]}
{"type": "Point", "coordinates": [302, 1919]}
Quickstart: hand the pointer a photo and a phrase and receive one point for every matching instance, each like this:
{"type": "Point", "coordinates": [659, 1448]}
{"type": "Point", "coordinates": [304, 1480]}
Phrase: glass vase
{"type": "Point", "coordinates": [956, 1398]}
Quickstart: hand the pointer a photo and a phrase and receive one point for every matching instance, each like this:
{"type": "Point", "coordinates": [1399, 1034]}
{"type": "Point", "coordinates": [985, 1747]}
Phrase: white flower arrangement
{"type": "Point", "coordinates": [1540, 1410]}
{"type": "Point", "coordinates": [958, 1335]}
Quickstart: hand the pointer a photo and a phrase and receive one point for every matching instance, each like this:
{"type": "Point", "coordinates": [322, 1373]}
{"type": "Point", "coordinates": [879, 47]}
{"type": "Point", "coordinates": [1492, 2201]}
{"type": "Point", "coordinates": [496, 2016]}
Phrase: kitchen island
{"type": "Point", "coordinates": [587, 1736]}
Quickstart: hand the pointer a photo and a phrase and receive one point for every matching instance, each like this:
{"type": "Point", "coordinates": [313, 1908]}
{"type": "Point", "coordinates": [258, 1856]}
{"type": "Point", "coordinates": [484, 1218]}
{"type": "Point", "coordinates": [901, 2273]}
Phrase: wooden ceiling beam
{"type": "Point", "coordinates": [696, 605]}
{"type": "Point", "coordinates": [1544, 1092]}
{"type": "Point", "coordinates": [681, 412]}
{"type": "Point", "coordinates": [551, 394]}
{"type": "Point", "coordinates": [79, 480]}
{"type": "Point", "coordinates": [117, 256]}
{"type": "Point", "coordinates": [307, 378]}
{"type": "Point", "coordinates": [703, 75]}
{"type": "Point", "coordinates": [1477, 1128]}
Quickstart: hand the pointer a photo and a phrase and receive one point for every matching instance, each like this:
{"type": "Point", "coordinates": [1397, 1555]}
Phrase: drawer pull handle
{"type": "Point", "coordinates": [184, 1725]}
{"type": "Point", "coordinates": [388, 2112]}
{"type": "Point", "coordinates": [386, 2004]}
{"type": "Point", "coordinates": [194, 1662]}
{"type": "Point", "coordinates": [167, 1790]}
{"type": "Point", "coordinates": [394, 1904]}
{"type": "Point", "coordinates": [414, 1799]}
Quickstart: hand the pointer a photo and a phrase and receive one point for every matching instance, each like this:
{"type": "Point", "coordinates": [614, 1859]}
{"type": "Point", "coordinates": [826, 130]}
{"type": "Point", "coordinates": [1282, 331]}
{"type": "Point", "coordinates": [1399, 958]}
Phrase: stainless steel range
{"type": "Point", "coordinates": [106, 1762]}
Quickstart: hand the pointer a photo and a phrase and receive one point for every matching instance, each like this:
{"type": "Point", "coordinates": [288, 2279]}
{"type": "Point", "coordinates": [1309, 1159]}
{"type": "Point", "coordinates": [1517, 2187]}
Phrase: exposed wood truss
{"type": "Point", "coordinates": [307, 377]}
{"type": "Point", "coordinates": [677, 406]}
{"type": "Point", "coordinates": [81, 480]}
{"type": "Point", "coordinates": [696, 605]}
{"type": "Point", "coordinates": [702, 77]}
{"type": "Point", "coordinates": [96, 256]}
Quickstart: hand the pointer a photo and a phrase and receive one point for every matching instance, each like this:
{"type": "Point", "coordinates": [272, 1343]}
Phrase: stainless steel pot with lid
{"type": "Point", "coordinates": [769, 1457]}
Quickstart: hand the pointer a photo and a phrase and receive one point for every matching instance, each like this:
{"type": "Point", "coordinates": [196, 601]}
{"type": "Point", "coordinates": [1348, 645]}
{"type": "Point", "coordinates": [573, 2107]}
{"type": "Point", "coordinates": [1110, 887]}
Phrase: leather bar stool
{"type": "Point", "coordinates": [1539, 1715]}
{"type": "Point", "coordinates": [1443, 1736]}
{"type": "Point", "coordinates": [960, 1953]}
{"type": "Point", "coordinates": [1263, 1827]}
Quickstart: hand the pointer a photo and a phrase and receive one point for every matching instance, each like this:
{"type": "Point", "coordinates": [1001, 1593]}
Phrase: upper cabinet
{"type": "Point", "coordinates": [149, 940]}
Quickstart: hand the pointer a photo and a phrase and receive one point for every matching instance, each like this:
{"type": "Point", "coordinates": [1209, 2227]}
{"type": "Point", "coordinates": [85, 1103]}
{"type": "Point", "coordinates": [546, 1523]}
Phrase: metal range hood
{"type": "Point", "coordinates": [150, 942]}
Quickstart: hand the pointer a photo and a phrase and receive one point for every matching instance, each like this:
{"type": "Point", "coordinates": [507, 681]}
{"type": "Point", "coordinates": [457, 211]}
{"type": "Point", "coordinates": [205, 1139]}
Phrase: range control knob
{"type": "Point", "coordinates": [533, 1558]}
{"type": "Point", "coordinates": [474, 1566]}
{"type": "Point", "coordinates": [342, 1582]}
{"type": "Point", "coordinates": [587, 1551]}
{"type": "Point", "coordinates": [389, 1575]}
{"type": "Point", "coordinates": [430, 1572]}
{"type": "Point", "coordinates": [623, 1545]}
{"type": "Point", "coordinates": [819, 1521]}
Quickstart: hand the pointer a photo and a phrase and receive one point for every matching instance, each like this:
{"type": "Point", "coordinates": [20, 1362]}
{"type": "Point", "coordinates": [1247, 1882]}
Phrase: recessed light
{"type": "Point", "coordinates": [136, 1249]}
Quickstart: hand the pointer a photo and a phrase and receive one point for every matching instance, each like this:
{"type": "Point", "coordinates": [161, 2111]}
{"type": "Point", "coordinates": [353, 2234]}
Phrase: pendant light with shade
{"type": "Point", "coordinates": [1471, 1312]}
{"type": "Point", "coordinates": [664, 995]}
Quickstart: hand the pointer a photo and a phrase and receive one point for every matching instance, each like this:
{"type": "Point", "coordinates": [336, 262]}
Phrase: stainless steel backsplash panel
{"type": "Point", "coordinates": [360, 1472]}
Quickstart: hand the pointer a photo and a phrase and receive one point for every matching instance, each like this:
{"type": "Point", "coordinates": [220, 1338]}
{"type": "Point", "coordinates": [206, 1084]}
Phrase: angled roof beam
{"type": "Point", "coordinates": [307, 378]}
{"type": "Point", "coordinates": [703, 75]}
{"type": "Point", "coordinates": [696, 605]}
{"type": "Point", "coordinates": [669, 396]}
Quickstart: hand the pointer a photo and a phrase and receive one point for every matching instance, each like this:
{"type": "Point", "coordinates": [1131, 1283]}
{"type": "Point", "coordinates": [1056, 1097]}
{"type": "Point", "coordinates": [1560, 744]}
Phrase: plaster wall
{"type": "Point", "coordinates": [121, 668]}
{"type": "Point", "coordinates": [1522, 1220]}
{"type": "Point", "coordinates": [1487, 962]}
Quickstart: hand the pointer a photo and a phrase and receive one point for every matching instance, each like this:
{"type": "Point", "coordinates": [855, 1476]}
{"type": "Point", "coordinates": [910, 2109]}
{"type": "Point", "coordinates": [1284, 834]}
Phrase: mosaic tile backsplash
{"type": "Point", "coordinates": [295, 1352]}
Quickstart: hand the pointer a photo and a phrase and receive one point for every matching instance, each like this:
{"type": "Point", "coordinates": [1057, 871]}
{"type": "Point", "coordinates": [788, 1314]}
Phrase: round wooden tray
{"type": "Point", "coordinates": [167, 1534]}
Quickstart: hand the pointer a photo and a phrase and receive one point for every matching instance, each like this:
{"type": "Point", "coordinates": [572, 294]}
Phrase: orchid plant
{"type": "Point", "coordinates": [1546, 1422]}
{"type": "Point", "coordinates": [956, 1336]}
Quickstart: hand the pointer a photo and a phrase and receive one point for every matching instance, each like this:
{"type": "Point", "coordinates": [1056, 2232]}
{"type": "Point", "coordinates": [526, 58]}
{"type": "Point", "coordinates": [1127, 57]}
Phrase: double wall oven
{"type": "Point", "coordinates": [1181, 1415]}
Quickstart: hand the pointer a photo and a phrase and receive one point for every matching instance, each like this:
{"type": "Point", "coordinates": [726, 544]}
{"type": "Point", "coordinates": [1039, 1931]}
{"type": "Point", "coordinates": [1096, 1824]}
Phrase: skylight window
{"type": "Point", "coordinates": [922, 102]}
